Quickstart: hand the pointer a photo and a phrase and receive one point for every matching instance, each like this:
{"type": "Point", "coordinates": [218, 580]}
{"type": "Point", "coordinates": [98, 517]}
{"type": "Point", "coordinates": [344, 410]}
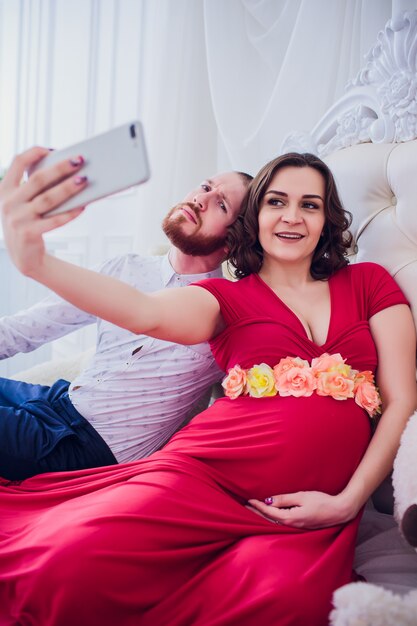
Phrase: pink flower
{"type": "Point", "coordinates": [334, 377]}
{"type": "Point", "coordinates": [327, 363]}
{"type": "Point", "coordinates": [235, 382]}
{"type": "Point", "coordinates": [294, 377]}
{"type": "Point", "coordinates": [335, 384]}
{"type": "Point", "coordinates": [367, 397]}
{"type": "Point", "coordinates": [288, 363]}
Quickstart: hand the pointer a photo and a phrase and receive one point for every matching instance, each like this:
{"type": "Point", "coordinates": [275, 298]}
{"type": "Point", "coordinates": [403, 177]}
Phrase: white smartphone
{"type": "Point", "coordinates": [114, 160]}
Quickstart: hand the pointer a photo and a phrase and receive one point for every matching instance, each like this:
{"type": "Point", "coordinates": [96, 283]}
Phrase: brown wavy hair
{"type": "Point", "coordinates": [245, 251]}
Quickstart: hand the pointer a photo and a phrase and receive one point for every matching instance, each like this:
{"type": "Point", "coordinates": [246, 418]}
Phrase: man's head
{"type": "Point", "coordinates": [198, 225]}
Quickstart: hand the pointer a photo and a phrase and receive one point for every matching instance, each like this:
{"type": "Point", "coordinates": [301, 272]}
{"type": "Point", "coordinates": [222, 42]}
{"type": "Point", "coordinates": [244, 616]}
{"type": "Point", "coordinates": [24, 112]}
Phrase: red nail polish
{"type": "Point", "coordinates": [268, 500]}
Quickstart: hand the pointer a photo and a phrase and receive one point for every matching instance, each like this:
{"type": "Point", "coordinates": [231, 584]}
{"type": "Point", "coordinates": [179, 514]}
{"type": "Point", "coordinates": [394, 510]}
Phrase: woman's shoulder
{"type": "Point", "coordinates": [230, 291]}
{"type": "Point", "coordinates": [364, 267]}
{"type": "Point", "coordinates": [371, 283]}
{"type": "Point", "coordinates": [228, 284]}
{"type": "Point", "coordinates": [363, 270]}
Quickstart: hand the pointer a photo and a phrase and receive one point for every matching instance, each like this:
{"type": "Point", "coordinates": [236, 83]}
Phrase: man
{"type": "Point", "coordinates": [137, 391]}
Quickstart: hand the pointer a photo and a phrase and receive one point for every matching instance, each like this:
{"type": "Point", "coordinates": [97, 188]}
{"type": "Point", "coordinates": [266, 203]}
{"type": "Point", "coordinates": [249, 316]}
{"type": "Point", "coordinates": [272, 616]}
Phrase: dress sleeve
{"type": "Point", "coordinates": [223, 290]}
{"type": "Point", "coordinates": [382, 290]}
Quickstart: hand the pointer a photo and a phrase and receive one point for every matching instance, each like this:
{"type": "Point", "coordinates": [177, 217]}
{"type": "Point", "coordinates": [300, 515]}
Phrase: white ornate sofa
{"type": "Point", "coordinates": [369, 140]}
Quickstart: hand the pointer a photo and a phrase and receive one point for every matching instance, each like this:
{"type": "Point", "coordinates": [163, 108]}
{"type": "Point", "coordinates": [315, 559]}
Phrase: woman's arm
{"type": "Point", "coordinates": [394, 334]}
{"type": "Point", "coordinates": [186, 315]}
{"type": "Point", "coordinates": [395, 339]}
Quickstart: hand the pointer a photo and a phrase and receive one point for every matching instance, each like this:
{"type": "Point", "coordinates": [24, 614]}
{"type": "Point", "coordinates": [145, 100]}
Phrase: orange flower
{"type": "Point", "coordinates": [365, 376]}
{"type": "Point", "coordinates": [367, 397]}
{"type": "Point", "coordinates": [235, 382]}
{"type": "Point", "coordinates": [336, 385]}
{"type": "Point", "coordinates": [294, 377]}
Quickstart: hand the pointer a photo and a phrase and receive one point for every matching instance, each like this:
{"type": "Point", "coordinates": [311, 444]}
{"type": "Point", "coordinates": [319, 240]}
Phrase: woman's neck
{"type": "Point", "coordinates": [286, 275]}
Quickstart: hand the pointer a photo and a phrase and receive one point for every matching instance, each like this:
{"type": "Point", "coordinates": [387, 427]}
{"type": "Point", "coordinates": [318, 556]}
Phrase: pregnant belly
{"type": "Point", "coordinates": [258, 447]}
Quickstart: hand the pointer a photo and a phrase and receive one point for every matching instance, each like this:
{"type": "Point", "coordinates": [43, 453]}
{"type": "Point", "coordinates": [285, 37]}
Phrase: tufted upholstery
{"type": "Point", "coordinates": [378, 185]}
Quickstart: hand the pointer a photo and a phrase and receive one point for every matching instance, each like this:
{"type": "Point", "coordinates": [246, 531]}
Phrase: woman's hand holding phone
{"type": "Point", "coordinates": [61, 183]}
{"type": "Point", "coordinates": [23, 205]}
{"type": "Point", "coordinates": [113, 161]}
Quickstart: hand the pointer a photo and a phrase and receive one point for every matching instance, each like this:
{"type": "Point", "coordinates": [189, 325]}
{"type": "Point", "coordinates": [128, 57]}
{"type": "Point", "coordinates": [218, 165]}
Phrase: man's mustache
{"type": "Point", "coordinates": [195, 209]}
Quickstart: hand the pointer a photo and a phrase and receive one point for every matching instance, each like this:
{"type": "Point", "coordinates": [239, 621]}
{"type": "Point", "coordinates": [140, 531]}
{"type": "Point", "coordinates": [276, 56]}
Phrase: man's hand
{"type": "Point", "coordinates": [305, 509]}
{"type": "Point", "coordinates": [22, 205]}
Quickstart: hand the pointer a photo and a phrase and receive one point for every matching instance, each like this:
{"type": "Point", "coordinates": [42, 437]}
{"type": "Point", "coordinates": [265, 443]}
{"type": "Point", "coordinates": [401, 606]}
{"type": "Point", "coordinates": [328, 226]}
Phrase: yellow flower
{"type": "Point", "coordinates": [260, 381]}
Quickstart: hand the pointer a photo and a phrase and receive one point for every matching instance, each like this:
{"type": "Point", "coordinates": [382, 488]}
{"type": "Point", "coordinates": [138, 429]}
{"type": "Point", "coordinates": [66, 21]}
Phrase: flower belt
{"type": "Point", "coordinates": [328, 375]}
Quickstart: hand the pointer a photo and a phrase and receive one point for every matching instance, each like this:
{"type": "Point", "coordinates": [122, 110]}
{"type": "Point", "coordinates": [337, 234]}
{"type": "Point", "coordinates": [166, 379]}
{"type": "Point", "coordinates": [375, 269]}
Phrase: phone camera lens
{"type": "Point", "coordinates": [132, 131]}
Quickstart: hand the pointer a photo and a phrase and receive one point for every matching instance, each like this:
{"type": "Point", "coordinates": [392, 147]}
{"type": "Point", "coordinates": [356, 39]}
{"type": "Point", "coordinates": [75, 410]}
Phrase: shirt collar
{"type": "Point", "coordinates": [168, 272]}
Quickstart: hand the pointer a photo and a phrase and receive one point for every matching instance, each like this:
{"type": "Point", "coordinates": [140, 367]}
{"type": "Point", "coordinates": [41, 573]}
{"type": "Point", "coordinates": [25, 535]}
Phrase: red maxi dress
{"type": "Point", "coordinates": [168, 540]}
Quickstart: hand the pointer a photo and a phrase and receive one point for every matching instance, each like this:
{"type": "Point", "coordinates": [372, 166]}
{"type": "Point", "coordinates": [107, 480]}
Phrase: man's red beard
{"type": "Point", "coordinates": [194, 244]}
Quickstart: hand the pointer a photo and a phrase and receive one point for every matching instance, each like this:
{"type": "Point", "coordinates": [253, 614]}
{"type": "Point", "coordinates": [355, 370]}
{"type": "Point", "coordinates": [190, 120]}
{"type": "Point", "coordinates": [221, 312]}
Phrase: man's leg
{"type": "Point", "coordinates": [13, 393]}
{"type": "Point", "coordinates": [40, 431]}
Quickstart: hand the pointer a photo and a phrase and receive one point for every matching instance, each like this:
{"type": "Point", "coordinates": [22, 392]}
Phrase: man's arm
{"type": "Point", "coordinates": [43, 322]}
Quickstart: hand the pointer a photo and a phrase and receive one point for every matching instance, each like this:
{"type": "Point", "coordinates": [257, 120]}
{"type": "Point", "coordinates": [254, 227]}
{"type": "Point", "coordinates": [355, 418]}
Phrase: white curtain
{"type": "Point", "coordinates": [176, 108]}
{"type": "Point", "coordinates": [69, 70]}
{"type": "Point", "coordinates": [275, 66]}
{"type": "Point", "coordinates": [217, 83]}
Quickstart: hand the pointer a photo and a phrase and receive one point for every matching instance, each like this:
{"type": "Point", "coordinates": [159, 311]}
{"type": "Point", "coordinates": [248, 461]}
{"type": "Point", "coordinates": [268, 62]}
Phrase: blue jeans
{"type": "Point", "coordinates": [41, 431]}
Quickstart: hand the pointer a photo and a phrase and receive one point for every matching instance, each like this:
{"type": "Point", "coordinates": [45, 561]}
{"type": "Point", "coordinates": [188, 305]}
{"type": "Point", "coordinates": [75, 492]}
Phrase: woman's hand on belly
{"type": "Point", "coordinates": [304, 509]}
